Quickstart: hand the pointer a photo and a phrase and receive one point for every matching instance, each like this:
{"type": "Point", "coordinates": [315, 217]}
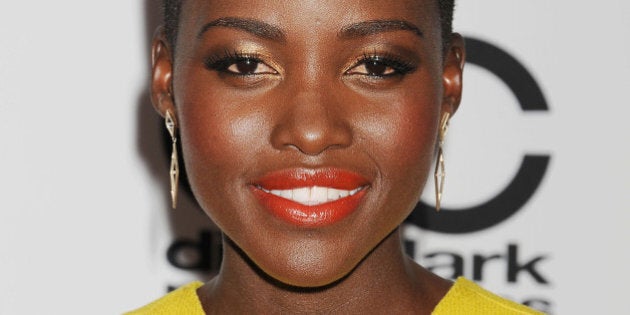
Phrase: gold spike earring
{"type": "Point", "coordinates": [439, 173]}
{"type": "Point", "coordinates": [174, 169]}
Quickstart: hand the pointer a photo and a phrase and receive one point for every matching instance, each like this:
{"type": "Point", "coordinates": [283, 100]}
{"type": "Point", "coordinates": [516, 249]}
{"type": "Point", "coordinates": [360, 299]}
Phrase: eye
{"type": "Point", "coordinates": [380, 66]}
{"type": "Point", "coordinates": [249, 66]}
{"type": "Point", "coordinates": [239, 64]}
{"type": "Point", "coordinates": [373, 67]}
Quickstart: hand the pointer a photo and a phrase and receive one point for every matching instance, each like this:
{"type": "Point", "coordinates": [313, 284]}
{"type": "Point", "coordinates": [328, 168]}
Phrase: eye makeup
{"type": "Point", "coordinates": [238, 63]}
{"type": "Point", "coordinates": [382, 64]}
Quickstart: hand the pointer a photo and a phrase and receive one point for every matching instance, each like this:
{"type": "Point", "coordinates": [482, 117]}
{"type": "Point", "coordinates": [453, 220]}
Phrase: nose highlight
{"type": "Point", "coordinates": [311, 125]}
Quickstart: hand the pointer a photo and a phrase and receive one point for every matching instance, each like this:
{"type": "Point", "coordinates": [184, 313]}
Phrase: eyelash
{"type": "Point", "coordinates": [221, 62]}
{"type": "Point", "coordinates": [400, 66]}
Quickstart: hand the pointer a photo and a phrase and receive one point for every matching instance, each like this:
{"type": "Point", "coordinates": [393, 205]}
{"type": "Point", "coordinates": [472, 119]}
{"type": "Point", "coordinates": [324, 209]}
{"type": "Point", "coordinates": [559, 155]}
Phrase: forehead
{"type": "Point", "coordinates": [311, 16]}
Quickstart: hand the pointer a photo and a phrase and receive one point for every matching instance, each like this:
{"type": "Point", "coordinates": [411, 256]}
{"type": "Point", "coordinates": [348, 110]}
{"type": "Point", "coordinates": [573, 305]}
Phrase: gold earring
{"type": "Point", "coordinates": [174, 169]}
{"type": "Point", "coordinates": [440, 173]}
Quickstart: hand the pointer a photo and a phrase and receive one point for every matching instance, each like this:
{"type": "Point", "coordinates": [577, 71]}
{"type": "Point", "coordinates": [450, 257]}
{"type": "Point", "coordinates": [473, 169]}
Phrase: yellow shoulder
{"type": "Point", "coordinates": [467, 298]}
{"type": "Point", "coordinates": [181, 301]}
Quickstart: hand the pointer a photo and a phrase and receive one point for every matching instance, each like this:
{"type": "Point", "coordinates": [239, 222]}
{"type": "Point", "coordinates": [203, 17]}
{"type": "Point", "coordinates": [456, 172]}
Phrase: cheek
{"type": "Point", "coordinates": [403, 136]}
{"type": "Point", "coordinates": [399, 135]}
{"type": "Point", "coordinates": [220, 136]}
{"type": "Point", "coordinates": [223, 137]}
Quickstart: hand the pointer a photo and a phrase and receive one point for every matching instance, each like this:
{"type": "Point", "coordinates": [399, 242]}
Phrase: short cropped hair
{"type": "Point", "coordinates": [171, 11]}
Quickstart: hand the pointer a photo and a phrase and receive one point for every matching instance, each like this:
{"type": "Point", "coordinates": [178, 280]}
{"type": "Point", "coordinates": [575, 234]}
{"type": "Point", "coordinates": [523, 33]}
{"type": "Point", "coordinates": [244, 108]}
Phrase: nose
{"type": "Point", "coordinates": [311, 122]}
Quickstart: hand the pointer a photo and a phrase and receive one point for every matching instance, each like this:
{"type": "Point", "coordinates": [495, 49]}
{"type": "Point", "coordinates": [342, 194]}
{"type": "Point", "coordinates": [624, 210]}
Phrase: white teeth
{"type": "Point", "coordinates": [312, 196]}
{"type": "Point", "coordinates": [287, 194]}
{"type": "Point", "coordinates": [332, 194]}
{"type": "Point", "coordinates": [302, 195]}
{"type": "Point", "coordinates": [319, 193]}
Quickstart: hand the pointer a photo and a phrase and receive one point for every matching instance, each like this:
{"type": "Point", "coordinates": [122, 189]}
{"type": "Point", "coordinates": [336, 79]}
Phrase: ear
{"type": "Point", "coordinates": [454, 60]}
{"type": "Point", "coordinates": [162, 75]}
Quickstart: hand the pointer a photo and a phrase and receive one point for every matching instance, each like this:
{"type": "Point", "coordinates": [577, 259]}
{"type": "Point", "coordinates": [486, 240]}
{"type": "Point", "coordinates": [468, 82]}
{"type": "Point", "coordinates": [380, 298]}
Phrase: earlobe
{"type": "Point", "coordinates": [161, 74]}
{"type": "Point", "coordinates": [452, 79]}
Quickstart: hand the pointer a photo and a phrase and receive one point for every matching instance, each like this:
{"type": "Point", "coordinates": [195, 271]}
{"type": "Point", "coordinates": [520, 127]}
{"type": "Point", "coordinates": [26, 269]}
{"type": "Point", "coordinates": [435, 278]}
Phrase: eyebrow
{"type": "Point", "coordinates": [255, 27]}
{"type": "Point", "coordinates": [378, 26]}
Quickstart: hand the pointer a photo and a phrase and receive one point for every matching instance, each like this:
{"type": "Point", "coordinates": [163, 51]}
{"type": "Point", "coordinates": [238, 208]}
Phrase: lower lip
{"type": "Point", "coordinates": [309, 216]}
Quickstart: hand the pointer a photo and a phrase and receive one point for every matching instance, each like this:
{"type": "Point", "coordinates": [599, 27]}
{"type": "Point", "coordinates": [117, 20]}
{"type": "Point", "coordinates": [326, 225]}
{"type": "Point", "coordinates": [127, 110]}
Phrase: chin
{"type": "Point", "coordinates": [309, 279]}
{"type": "Point", "coordinates": [309, 265]}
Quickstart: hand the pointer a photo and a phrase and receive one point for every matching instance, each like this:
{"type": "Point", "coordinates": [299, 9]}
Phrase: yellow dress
{"type": "Point", "coordinates": [464, 297]}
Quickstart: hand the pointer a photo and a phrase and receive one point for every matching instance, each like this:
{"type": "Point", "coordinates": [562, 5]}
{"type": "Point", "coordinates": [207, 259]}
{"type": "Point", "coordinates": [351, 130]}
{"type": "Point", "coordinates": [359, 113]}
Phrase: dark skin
{"type": "Point", "coordinates": [261, 86]}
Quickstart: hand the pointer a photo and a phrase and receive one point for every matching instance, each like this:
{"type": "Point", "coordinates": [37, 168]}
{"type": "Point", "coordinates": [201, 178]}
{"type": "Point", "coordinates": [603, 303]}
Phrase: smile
{"type": "Point", "coordinates": [310, 198]}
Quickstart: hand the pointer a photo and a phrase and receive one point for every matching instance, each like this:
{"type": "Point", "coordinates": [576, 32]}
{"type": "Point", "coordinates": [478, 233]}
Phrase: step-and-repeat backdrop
{"type": "Point", "coordinates": [537, 194]}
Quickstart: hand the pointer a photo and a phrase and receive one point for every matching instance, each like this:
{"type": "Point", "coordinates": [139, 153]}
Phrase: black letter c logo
{"type": "Point", "coordinates": [532, 169]}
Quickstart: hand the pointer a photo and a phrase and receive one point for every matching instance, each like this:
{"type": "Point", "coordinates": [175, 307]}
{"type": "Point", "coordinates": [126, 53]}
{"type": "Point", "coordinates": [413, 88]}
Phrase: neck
{"type": "Point", "coordinates": [385, 280]}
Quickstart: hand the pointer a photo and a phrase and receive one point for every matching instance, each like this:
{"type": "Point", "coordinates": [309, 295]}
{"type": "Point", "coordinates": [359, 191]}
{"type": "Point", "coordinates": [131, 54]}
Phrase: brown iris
{"type": "Point", "coordinates": [247, 66]}
{"type": "Point", "coordinates": [375, 68]}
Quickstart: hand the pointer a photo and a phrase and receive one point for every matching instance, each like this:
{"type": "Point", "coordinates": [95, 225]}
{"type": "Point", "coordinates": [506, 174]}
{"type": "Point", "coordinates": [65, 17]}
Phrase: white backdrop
{"type": "Point", "coordinates": [85, 226]}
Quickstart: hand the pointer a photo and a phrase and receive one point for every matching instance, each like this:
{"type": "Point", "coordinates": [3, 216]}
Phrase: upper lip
{"type": "Point", "coordinates": [300, 177]}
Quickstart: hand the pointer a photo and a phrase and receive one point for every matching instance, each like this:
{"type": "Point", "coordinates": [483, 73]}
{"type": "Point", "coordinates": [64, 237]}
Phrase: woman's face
{"type": "Point", "coordinates": [339, 98]}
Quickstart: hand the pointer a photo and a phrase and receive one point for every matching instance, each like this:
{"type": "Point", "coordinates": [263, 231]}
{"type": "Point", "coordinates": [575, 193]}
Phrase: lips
{"type": "Point", "coordinates": [310, 198]}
